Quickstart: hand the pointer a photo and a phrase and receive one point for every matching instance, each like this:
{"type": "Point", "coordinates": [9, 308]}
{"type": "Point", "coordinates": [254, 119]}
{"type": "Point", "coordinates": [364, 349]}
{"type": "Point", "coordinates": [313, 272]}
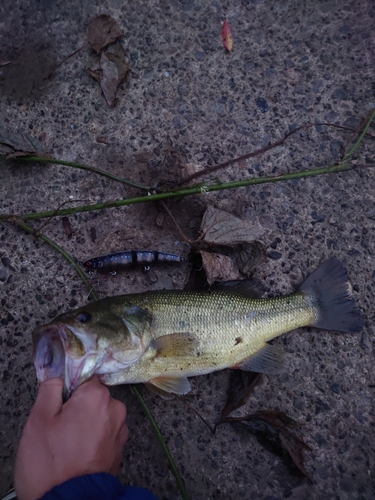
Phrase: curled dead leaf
{"type": "Point", "coordinates": [248, 256]}
{"type": "Point", "coordinates": [226, 35]}
{"type": "Point", "coordinates": [14, 144]}
{"type": "Point", "coordinates": [102, 31]}
{"type": "Point", "coordinates": [67, 227]}
{"type": "Point", "coordinates": [222, 228]}
{"type": "Point", "coordinates": [112, 72]}
{"type": "Point", "coordinates": [241, 385]}
{"type": "Point", "coordinates": [275, 429]}
{"type": "Point", "coordinates": [219, 268]}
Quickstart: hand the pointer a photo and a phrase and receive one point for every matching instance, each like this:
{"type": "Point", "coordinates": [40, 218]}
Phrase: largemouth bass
{"type": "Point", "coordinates": [163, 337]}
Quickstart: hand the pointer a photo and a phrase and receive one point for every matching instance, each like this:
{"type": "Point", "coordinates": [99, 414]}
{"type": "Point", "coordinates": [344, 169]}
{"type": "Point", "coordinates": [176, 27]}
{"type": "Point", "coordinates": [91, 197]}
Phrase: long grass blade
{"type": "Point", "coordinates": [159, 435]}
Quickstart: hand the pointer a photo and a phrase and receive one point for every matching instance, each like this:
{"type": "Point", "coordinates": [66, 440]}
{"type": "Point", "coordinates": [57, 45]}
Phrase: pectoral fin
{"type": "Point", "coordinates": [175, 345]}
{"type": "Point", "coordinates": [270, 359]}
{"type": "Point", "coordinates": [165, 386]}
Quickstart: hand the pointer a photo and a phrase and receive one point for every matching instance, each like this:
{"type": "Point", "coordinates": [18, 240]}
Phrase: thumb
{"type": "Point", "coordinates": [49, 399]}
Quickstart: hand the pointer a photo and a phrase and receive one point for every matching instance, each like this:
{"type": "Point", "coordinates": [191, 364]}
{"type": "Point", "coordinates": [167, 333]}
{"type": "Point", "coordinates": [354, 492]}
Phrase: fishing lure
{"type": "Point", "coordinates": [117, 261]}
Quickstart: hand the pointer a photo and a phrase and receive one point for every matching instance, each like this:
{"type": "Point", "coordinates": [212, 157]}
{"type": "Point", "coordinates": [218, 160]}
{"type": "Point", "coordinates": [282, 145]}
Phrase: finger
{"type": "Point", "coordinates": [123, 435]}
{"type": "Point", "coordinates": [119, 410]}
{"type": "Point", "coordinates": [49, 399]}
{"type": "Point", "coordinates": [117, 455]}
{"type": "Point", "coordinates": [89, 388]}
{"type": "Point", "coordinates": [92, 383]}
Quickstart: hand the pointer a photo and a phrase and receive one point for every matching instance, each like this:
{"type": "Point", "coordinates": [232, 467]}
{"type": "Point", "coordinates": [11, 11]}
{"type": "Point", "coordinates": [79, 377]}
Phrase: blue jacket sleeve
{"type": "Point", "coordinates": [98, 486]}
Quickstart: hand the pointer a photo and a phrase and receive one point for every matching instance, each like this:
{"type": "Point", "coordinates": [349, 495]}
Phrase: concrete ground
{"type": "Point", "coordinates": [188, 101]}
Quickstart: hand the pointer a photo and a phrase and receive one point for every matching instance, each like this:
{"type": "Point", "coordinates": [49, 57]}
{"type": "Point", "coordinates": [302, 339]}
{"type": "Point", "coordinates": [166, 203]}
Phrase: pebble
{"type": "Point", "coordinates": [335, 388]}
{"type": "Point", "coordinates": [336, 147]}
{"type": "Point", "coordinates": [3, 274]}
{"type": "Point", "coordinates": [321, 406]}
{"type": "Point", "coordinates": [262, 104]}
{"type": "Point", "coordinates": [243, 128]}
{"type": "Point", "coordinates": [299, 404]}
{"type": "Point", "coordinates": [274, 255]}
{"type": "Point", "coordinates": [323, 472]}
{"type": "Point", "coordinates": [340, 94]}
{"type": "Point", "coordinates": [176, 122]}
{"type": "Point", "coordinates": [317, 86]}
{"type": "Point", "coordinates": [199, 55]}
{"type": "Point", "coordinates": [347, 485]}
{"type": "Point", "coordinates": [320, 440]}
{"type": "Point", "coordinates": [249, 65]}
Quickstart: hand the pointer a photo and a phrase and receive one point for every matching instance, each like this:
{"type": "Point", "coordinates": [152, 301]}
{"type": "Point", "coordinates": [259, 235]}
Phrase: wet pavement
{"type": "Point", "coordinates": [188, 103]}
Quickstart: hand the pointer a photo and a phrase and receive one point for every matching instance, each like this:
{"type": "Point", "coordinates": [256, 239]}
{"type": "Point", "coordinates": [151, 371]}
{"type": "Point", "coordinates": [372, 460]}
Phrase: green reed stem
{"type": "Point", "coordinates": [41, 159]}
{"type": "Point", "coordinates": [361, 136]}
{"type": "Point", "coordinates": [159, 435]}
{"type": "Point", "coordinates": [54, 245]}
{"type": "Point", "coordinates": [207, 188]}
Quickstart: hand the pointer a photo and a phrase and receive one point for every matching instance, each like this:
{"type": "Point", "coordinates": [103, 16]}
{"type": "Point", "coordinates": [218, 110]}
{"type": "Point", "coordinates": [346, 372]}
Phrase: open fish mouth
{"type": "Point", "coordinates": [58, 352]}
{"type": "Point", "coordinates": [49, 351]}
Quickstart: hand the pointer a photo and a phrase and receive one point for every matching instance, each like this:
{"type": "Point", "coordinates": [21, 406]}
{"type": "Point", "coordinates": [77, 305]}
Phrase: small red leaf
{"type": "Point", "coordinates": [227, 37]}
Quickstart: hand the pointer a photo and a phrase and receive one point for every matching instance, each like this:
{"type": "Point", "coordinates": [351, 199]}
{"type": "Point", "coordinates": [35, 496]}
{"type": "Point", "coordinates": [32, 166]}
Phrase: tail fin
{"type": "Point", "coordinates": [330, 290]}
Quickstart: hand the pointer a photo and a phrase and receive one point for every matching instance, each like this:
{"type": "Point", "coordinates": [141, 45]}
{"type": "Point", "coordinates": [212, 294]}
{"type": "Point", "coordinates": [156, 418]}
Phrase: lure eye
{"type": "Point", "coordinates": [84, 317]}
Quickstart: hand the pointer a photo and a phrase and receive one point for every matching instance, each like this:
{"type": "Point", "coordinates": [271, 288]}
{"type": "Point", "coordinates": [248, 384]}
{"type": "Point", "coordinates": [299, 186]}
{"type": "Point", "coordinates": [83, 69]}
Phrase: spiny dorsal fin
{"type": "Point", "coordinates": [270, 359]}
{"type": "Point", "coordinates": [252, 289]}
{"type": "Point", "coordinates": [175, 345]}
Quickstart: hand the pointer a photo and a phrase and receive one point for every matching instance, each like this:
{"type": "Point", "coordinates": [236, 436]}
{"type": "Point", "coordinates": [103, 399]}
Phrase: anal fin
{"type": "Point", "coordinates": [159, 392]}
{"type": "Point", "coordinates": [167, 385]}
{"type": "Point", "coordinates": [269, 359]}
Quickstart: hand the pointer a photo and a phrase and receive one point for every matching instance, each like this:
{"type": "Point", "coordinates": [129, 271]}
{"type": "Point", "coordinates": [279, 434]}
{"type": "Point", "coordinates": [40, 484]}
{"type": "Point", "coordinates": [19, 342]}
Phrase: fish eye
{"type": "Point", "coordinates": [84, 317]}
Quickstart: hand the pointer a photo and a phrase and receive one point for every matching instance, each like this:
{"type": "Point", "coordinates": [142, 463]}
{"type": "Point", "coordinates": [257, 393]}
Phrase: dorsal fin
{"type": "Point", "coordinates": [252, 288]}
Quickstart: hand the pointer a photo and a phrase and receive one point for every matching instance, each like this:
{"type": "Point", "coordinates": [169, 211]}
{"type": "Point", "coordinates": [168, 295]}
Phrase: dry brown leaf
{"type": "Point", "coordinates": [112, 73]}
{"type": "Point", "coordinates": [67, 227]}
{"type": "Point", "coordinates": [222, 228]}
{"type": "Point", "coordinates": [219, 268]}
{"type": "Point", "coordinates": [276, 428]}
{"type": "Point", "coordinates": [226, 35]}
{"type": "Point", "coordinates": [102, 31]}
{"type": "Point", "coordinates": [14, 144]}
{"type": "Point", "coordinates": [241, 385]}
{"type": "Point", "coordinates": [248, 256]}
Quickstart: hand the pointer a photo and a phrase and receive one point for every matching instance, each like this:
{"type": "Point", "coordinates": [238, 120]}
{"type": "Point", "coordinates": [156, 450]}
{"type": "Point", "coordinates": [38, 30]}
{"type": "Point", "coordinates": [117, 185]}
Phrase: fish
{"type": "Point", "coordinates": [161, 338]}
{"type": "Point", "coordinates": [118, 261]}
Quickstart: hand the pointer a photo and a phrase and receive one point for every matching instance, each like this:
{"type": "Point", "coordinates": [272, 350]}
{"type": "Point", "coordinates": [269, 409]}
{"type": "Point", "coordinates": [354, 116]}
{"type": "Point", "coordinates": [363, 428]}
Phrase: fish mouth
{"type": "Point", "coordinates": [59, 352]}
{"type": "Point", "coordinates": [49, 352]}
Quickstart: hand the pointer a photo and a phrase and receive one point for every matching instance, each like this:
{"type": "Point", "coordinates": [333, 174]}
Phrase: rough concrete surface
{"type": "Point", "coordinates": [187, 104]}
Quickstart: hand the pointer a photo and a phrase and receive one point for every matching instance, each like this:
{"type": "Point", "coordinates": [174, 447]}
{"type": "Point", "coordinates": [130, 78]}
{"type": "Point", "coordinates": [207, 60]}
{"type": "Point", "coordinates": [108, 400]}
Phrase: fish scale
{"type": "Point", "coordinates": [228, 327]}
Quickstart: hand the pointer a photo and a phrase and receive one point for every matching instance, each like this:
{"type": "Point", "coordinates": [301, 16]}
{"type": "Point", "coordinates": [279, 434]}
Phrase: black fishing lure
{"type": "Point", "coordinates": [117, 261]}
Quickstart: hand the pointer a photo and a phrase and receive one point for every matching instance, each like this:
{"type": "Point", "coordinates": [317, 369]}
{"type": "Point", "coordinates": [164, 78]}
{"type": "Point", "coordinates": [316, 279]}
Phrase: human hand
{"type": "Point", "coordinates": [61, 441]}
